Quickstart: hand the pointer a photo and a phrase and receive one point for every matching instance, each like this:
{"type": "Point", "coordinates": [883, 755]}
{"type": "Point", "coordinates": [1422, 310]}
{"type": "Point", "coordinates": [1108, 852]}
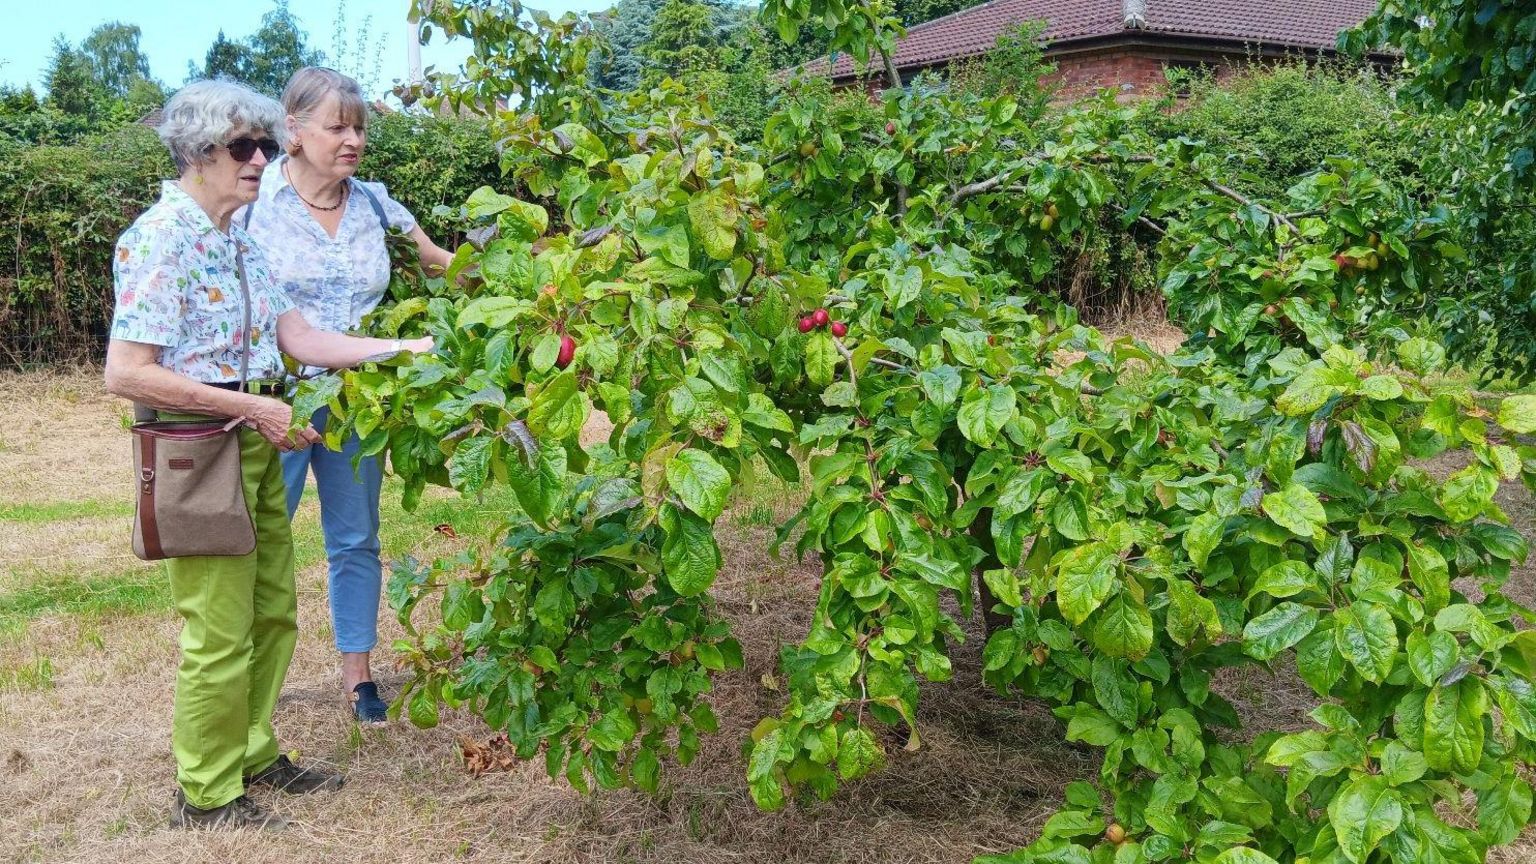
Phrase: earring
{"type": "Point", "coordinates": [199, 179]}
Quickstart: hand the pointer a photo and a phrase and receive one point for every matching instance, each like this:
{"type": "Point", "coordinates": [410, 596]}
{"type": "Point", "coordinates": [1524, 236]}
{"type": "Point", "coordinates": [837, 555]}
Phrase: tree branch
{"type": "Point", "coordinates": [1248, 202]}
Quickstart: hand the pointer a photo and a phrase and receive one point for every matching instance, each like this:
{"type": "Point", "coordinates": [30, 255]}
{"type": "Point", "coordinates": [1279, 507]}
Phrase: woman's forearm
{"type": "Point", "coordinates": [133, 372]}
{"type": "Point", "coordinates": [314, 347]}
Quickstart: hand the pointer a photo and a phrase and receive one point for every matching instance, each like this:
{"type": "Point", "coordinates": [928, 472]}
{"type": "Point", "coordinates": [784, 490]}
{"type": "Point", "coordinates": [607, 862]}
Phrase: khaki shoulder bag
{"type": "Point", "coordinates": [191, 493]}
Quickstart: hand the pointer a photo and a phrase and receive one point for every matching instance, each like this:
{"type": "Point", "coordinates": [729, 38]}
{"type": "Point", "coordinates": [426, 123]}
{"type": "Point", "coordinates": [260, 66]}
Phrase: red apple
{"type": "Point", "coordinates": [567, 351]}
{"type": "Point", "coordinates": [839, 329]}
{"type": "Point", "coordinates": [807, 325]}
{"type": "Point", "coordinates": [821, 317]}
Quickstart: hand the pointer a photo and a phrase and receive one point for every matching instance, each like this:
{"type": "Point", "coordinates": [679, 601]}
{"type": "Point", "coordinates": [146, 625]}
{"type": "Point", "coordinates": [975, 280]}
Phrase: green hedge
{"type": "Point", "coordinates": [62, 208]}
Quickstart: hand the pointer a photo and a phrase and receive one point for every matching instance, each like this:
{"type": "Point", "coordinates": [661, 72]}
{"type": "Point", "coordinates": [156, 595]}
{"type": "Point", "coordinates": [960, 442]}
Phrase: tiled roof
{"type": "Point", "coordinates": [1303, 24]}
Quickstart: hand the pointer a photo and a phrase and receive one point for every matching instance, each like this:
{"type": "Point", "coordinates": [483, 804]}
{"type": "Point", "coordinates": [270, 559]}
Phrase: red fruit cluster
{"type": "Point", "coordinates": [823, 318]}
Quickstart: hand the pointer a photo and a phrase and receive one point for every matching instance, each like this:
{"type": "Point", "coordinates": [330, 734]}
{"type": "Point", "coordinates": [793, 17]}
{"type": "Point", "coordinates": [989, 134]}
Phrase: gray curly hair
{"type": "Point", "coordinates": [205, 114]}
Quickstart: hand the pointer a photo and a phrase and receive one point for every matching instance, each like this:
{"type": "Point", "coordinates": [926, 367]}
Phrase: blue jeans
{"type": "Point", "coordinates": [349, 516]}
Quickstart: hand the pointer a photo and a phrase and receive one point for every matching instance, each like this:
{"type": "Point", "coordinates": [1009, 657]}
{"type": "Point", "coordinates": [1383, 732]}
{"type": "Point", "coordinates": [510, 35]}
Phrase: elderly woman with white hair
{"type": "Point", "coordinates": [186, 282]}
{"type": "Point", "coordinates": [324, 232]}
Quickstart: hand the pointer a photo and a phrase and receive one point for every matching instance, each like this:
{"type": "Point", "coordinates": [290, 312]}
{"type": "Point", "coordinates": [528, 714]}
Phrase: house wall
{"type": "Point", "coordinates": [1136, 72]}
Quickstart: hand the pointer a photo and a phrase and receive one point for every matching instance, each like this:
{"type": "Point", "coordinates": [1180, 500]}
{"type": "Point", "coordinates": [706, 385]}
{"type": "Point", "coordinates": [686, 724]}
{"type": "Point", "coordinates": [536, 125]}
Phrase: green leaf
{"type": "Point", "coordinates": [471, 464]}
{"type": "Point", "coordinates": [689, 555]}
{"type": "Point", "coordinates": [1286, 579]}
{"type": "Point", "coordinates": [940, 384]}
{"type": "Point", "coordinates": [858, 754]}
{"type": "Point", "coordinates": [1381, 388]}
{"type": "Point", "coordinates": [763, 413]}
{"type": "Point", "coordinates": [1319, 662]}
{"type": "Point", "coordinates": [725, 368]}
{"type": "Point", "coordinates": [1313, 387]}
{"type": "Point", "coordinates": [1296, 509]}
{"type": "Point", "coordinates": [585, 145]}
{"type": "Point", "coordinates": [1504, 810]}
{"type": "Point", "coordinates": [700, 482]}
{"type": "Point", "coordinates": [1091, 726]}
{"type": "Point", "coordinates": [762, 775]}
{"type": "Point", "coordinates": [422, 709]}
{"type": "Point", "coordinates": [485, 202]}
{"type": "Point", "coordinates": [1123, 628]}
{"type": "Point", "coordinates": [1363, 813]}
{"type": "Point", "coordinates": [1453, 725]}
{"type": "Point", "coordinates": [1400, 765]}
{"type": "Point", "coordinates": [1432, 574]}
{"type": "Point", "coordinates": [1202, 536]}
{"type": "Point", "coordinates": [313, 395]}
{"type": "Point", "coordinates": [1073, 464]}
{"type": "Point", "coordinates": [1278, 629]}
{"type": "Point", "coordinates": [1431, 656]}
{"type": "Point", "coordinates": [1468, 492]}
{"type": "Point", "coordinates": [1190, 614]}
{"type": "Point", "coordinates": [1367, 637]}
{"type": "Point", "coordinates": [615, 730]}
{"type": "Point", "coordinates": [984, 413]}
{"type": "Point", "coordinates": [539, 487]}
{"type": "Point", "coordinates": [1244, 855]}
{"type": "Point", "coordinates": [713, 217]}
{"type": "Point", "coordinates": [522, 220]}
{"type": "Point", "coordinates": [840, 394]}
{"type": "Point", "coordinates": [1421, 356]}
{"type": "Point", "coordinates": [1085, 577]}
{"type": "Point", "coordinates": [1115, 689]}
{"type": "Point", "coordinates": [1518, 414]}
{"type": "Point", "coordinates": [820, 358]}
{"type": "Point", "coordinates": [558, 410]}
{"type": "Point", "coordinates": [545, 352]}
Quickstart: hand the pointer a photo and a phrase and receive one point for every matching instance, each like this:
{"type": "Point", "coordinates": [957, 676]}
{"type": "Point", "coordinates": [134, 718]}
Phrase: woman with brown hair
{"type": "Point", "coordinates": [324, 233]}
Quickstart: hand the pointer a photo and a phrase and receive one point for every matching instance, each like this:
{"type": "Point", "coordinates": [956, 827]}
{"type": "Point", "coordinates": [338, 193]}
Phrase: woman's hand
{"type": "Point", "coordinates": [271, 419]}
{"type": "Point", "coordinates": [423, 345]}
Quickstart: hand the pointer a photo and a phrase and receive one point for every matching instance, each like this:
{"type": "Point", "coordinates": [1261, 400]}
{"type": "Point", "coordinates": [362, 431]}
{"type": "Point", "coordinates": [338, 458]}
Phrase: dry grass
{"type": "Point", "coordinates": [86, 773]}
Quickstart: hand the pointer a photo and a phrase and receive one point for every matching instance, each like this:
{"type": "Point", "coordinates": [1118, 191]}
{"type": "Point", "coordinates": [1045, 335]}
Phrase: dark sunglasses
{"type": "Point", "coordinates": [244, 149]}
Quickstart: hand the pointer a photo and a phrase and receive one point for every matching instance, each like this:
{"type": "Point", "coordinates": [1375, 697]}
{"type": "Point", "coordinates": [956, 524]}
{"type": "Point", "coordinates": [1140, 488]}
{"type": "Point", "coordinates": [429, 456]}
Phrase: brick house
{"type": "Point", "coordinates": [1124, 44]}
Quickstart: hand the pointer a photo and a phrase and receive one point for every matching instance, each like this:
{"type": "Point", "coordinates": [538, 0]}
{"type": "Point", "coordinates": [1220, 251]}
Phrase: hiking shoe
{"type": "Point", "coordinates": [367, 707]}
{"type": "Point", "coordinates": [284, 776]}
{"type": "Point", "coordinates": [239, 813]}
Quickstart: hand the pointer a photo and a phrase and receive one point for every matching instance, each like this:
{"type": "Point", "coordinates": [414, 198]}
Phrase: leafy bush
{"type": "Point", "coordinates": [63, 208]}
{"type": "Point", "coordinates": [427, 162]}
{"type": "Point", "coordinates": [1274, 124]}
{"type": "Point", "coordinates": [1137, 526]}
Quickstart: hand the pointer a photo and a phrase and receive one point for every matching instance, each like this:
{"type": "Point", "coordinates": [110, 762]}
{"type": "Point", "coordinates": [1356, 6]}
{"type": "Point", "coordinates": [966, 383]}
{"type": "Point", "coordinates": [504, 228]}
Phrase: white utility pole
{"type": "Point", "coordinates": [413, 51]}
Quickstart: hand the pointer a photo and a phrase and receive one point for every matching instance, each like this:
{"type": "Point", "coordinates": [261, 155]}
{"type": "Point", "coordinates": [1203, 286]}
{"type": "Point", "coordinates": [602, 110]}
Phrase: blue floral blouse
{"type": "Point", "coordinates": [177, 287]}
{"type": "Point", "coordinates": [334, 281]}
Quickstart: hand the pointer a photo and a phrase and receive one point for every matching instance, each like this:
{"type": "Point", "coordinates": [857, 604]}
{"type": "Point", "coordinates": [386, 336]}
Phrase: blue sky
{"type": "Point", "coordinates": [178, 31]}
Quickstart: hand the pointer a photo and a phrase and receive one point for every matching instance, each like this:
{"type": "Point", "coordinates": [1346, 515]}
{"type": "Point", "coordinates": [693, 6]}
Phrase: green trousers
{"type": "Point", "coordinates": [239, 628]}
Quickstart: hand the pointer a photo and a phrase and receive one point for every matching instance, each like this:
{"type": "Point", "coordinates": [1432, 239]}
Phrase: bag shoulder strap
{"type": "Point", "coordinates": [373, 201]}
{"type": "Point", "coordinates": [245, 302]}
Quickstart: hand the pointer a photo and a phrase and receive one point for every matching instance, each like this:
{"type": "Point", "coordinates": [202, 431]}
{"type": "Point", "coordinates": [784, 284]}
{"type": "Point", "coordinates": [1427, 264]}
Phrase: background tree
{"type": "Point", "coordinates": [625, 27]}
{"type": "Point", "coordinates": [115, 59]}
{"type": "Point", "coordinates": [70, 81]}
{"type": "Point", "coordinates": [267, 58]}
{"type": "Point", "coordinates": [225, 59]}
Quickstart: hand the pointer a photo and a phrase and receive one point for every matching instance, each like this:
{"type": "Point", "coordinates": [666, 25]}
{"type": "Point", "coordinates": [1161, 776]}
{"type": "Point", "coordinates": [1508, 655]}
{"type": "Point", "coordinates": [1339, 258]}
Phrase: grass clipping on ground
{"type": "Point", "coordinates": [88, 662]}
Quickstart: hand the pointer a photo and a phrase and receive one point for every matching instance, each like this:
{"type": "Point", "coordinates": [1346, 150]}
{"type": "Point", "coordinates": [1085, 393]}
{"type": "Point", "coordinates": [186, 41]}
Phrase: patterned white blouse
{"type": "Point", "coordinates": [333, 281]}
{"type": "Point", "coordinates": [177, 287]}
